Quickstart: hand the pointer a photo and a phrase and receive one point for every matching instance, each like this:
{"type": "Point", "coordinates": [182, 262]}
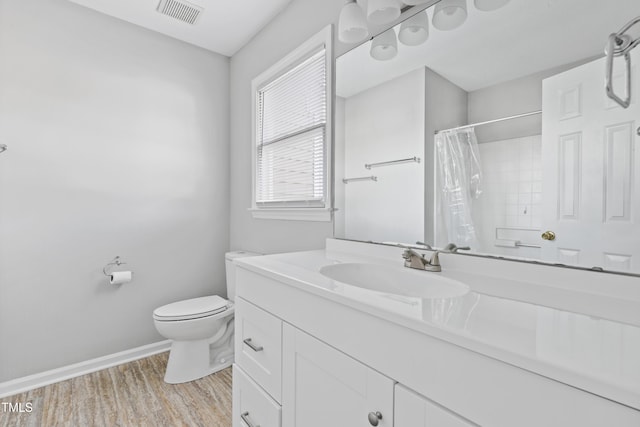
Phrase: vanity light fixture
{"type": "Point", "coordinates": [384, 46]}
{"type": "Point", "coordinates": [352, 25]}
{"type": "Point", "coordinates": [380, 12]}
{"type": "Point", "coordinates": [489, 5]}
{"type": "Point", "coordinates": [415, 30]}
{"type": "Point", "coordinates": [450, 14]}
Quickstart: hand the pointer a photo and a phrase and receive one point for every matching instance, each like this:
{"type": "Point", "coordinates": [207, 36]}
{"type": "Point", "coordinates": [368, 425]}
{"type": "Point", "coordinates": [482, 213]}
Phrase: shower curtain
{"type": "Point", "coordinates": [460, 179]}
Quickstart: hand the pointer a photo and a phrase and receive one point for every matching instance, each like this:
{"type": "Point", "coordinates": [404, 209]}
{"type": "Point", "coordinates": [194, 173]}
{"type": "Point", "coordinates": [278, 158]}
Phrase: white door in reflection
{"type": "Point", "coordinates": [591, 191]}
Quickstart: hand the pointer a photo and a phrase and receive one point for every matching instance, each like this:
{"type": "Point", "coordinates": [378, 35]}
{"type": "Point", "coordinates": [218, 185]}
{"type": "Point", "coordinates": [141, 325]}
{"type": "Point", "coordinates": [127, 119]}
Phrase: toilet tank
{"type": "Point", "coordinates": [230, 266]}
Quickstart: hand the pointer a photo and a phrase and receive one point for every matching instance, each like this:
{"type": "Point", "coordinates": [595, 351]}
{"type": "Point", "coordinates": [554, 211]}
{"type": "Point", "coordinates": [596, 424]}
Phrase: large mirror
{"type": "Point", "coordinates": [495, 133]}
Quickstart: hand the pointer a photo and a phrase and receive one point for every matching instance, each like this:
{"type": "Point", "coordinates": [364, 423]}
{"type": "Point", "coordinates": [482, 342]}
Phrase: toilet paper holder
{"type": "Point", "coordinates": [114, 262]}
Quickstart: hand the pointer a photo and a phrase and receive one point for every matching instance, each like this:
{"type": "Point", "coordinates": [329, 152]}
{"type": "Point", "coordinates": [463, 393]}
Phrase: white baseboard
{"type": "Point", "coordinates": [20, 385]}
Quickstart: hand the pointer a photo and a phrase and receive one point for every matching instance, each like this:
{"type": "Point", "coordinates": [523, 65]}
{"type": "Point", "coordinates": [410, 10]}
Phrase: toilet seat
{"type": "Point", "coordinates": [191, 309]}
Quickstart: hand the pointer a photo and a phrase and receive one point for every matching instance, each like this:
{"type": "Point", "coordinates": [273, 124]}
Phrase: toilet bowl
{"type": "Point", "coordinates": [201, 331]}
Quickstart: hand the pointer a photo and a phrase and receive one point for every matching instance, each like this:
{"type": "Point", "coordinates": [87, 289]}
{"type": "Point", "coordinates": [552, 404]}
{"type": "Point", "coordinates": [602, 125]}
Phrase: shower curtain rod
{"type": "Point", "coordinates": [517, 116]}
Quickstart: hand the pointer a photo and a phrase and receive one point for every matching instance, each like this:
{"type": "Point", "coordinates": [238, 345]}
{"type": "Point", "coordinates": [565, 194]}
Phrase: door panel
{"type": "Point", "coordinates": [591, 193]}
{"type": "Point", "coordinates": [324, 387]}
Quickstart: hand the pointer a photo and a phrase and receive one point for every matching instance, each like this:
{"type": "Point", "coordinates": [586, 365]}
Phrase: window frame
{"type": "Point", "coordinates": [284, 210]}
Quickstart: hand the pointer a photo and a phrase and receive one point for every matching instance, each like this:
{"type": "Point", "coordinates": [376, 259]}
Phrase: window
{"type": "Point", "coordinates": [292, 134]}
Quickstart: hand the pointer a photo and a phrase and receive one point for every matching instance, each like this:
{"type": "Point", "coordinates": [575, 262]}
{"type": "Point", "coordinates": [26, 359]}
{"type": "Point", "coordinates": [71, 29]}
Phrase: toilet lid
{"type": "Point", "coordinates": [191, 308]}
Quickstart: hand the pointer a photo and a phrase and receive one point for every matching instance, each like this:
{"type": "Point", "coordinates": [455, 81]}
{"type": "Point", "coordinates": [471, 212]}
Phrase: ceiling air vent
{"type": "Point", "coordinates": [180, 10]}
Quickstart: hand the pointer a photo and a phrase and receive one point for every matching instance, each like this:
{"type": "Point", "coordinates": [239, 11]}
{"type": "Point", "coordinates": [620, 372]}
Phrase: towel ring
{"type": "Point", "coordinates": [620, 44]}
{"type": "Point", "coordinates": [114, 262]}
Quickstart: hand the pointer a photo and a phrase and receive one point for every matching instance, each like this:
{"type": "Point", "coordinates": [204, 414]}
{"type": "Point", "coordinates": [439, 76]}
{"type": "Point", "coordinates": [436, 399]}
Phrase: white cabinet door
{"type": "Point", "coordinates": [323, 387]}
{"type": "Point", "coordinates": [413, 410]}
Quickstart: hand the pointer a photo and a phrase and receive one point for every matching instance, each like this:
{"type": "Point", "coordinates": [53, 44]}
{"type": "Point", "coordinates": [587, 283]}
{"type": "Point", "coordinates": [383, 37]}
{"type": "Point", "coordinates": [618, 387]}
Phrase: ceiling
{"type": "Point", "coordinates": [522, 38]}
{"type": "Point", "coordinates": [223, 27]}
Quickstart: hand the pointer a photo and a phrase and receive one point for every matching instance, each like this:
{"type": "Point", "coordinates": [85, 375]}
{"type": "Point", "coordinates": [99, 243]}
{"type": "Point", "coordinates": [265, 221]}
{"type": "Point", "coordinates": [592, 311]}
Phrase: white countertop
{"type": "Point", "coordinates": [587, 351]}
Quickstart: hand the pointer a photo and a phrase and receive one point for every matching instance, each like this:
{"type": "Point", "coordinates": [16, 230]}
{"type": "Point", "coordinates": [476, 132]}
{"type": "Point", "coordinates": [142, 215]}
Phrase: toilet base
{"type": "Point", "coordinates": [192, 360]}
{"type": "Point", "coordinates": [188, 361]}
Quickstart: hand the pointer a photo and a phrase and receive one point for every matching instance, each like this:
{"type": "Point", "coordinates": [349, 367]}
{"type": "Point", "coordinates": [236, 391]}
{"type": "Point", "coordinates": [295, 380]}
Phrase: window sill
{"type": "Point", "coordinates": [292, 214]}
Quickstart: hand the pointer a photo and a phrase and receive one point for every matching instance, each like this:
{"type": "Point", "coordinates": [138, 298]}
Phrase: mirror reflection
{"type": "Point", "coordinates": [489, 126]}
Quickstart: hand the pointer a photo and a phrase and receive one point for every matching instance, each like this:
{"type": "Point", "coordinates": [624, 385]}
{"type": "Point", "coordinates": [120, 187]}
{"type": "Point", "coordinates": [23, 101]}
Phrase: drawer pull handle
{"type": "Point", "coordinates": [245, 418]}
{"type": "Point", "coordinates": [374, 418]}
{"type": "Point", "coordinates": [252, 345]}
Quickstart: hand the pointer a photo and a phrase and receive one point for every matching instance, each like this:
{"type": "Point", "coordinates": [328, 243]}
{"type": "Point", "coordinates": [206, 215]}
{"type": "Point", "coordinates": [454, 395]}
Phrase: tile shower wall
{"type": "Point", "coordinates": [510, 206]}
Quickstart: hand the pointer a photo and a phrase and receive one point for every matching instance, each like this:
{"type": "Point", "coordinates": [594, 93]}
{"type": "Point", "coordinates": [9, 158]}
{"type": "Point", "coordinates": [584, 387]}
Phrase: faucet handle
{"type": "Point", "coordinates": [426, 245]}
{"type": "Point", "coordinates": [435, 259]}
{"type": "Point", "coordinates": [453, 248]}
{"type": "Point", "coordinates": [409, 252]}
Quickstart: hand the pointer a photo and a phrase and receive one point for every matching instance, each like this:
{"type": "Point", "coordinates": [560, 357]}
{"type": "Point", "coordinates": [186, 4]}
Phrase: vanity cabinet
{"type": "Point", "coordinates": [317, 384]}
{"type": "Point", "coordinates": [324, 387]}
{"type": "Point", "coordinates": [332, 363]}
{"type": "Point", "coordinates": [413, 410]}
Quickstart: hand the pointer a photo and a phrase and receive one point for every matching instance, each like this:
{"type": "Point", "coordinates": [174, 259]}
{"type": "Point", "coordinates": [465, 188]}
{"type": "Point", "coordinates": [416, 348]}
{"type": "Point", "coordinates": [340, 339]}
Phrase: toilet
{"type": "Point", "coordinates": [201, 330]}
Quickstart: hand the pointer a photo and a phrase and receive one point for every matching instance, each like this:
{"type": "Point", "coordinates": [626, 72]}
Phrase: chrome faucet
{"type": "Point", "coordinates": [413, 259]}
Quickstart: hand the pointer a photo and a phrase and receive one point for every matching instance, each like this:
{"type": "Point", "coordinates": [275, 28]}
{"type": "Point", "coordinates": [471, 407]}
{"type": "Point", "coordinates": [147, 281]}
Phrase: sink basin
{"type": "Point", "coordinates": [395, 280]}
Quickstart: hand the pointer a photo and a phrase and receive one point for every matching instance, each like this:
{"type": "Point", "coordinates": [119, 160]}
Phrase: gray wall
{"type": "Point", "coordinates": [391, 208]}
{"type": "Point", "coordinates": [299, 21]}
{"type": "Point", "coordinates": [445, 107]}
{"type": "Point", "coordinates": [118, 145]}
{"type": "Point", "coordinates": [507, 99]}
{"type": "Point", "coordinates": [510, 98]}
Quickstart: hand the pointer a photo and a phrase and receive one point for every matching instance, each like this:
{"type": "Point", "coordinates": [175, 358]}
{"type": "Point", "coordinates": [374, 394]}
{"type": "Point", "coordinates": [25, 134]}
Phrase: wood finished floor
{"type": "Point", "coordinates": [132, 394]}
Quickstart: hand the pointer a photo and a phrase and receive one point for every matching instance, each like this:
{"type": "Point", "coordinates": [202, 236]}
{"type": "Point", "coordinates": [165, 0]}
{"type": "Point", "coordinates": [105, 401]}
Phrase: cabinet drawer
{"type": "Point", "coordinates": [258, 346]}
{"type": "Point", "coordinates": [252, 407]}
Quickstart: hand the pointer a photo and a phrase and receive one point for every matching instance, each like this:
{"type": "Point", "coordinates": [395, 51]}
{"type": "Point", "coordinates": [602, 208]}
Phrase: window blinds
{"type": "Point", "coordinates": [291, 137]}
